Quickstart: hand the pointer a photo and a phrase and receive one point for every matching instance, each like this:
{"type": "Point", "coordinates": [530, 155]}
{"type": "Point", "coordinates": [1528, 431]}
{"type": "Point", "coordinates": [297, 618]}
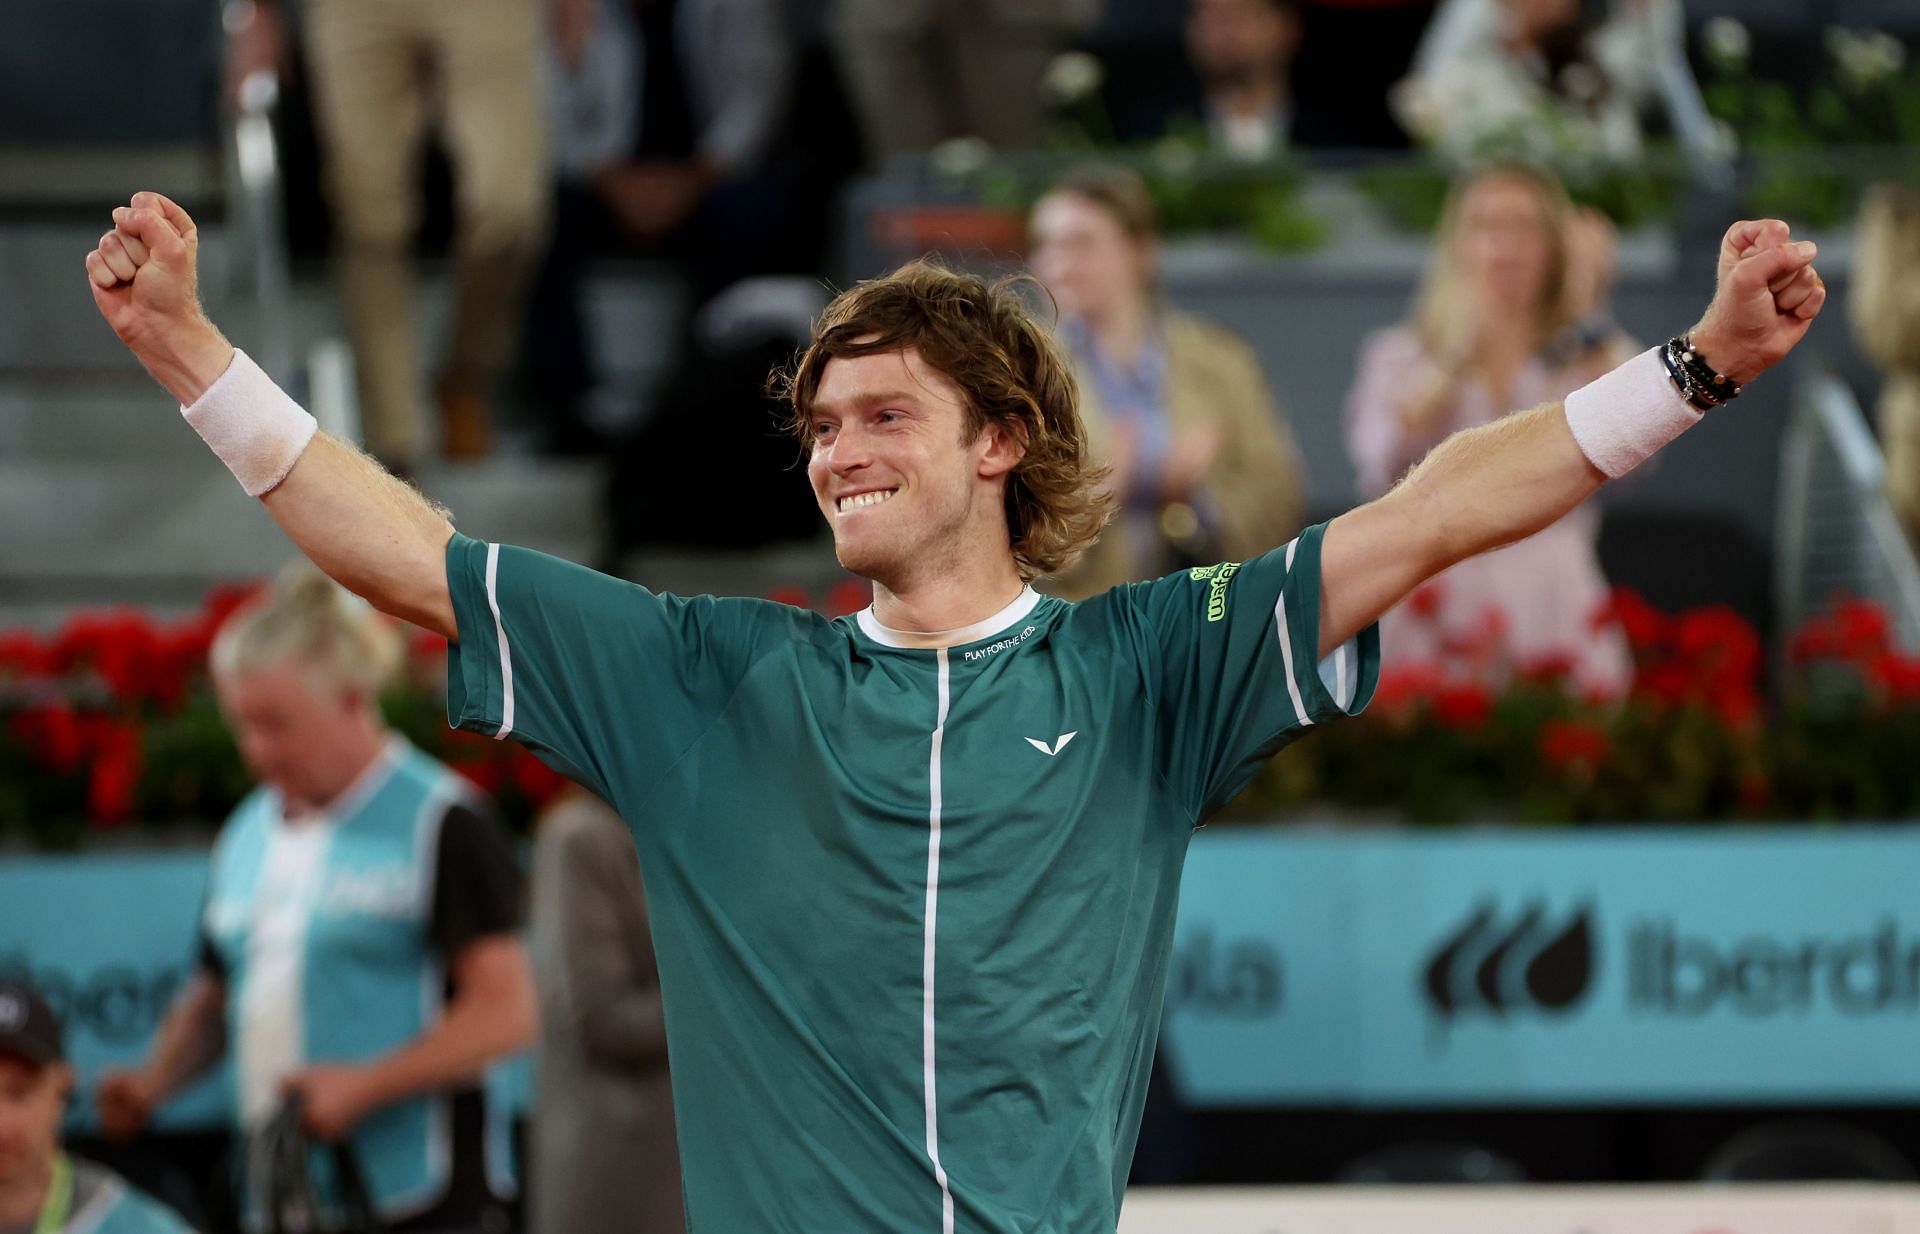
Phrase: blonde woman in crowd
{"type": "Point", "coordinates": [1512, 313]}
{"type": "Point", "coordinates": [1886, 319]}
{"type": "Point", "coordinates": [358, 951]}
{"type": "Point", "coordinates": [1204, 465]}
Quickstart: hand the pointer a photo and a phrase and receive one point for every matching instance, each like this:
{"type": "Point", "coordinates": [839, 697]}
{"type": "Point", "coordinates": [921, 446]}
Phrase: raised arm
{"type": "Point", "coordinates": [373, 533]}
{"type": "Point", "coordinates": [1504, 481]}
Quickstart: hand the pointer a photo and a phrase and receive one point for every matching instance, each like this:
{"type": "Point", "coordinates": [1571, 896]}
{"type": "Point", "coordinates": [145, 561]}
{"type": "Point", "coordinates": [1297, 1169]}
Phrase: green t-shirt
{"type": "Point", "coordinates": [912, 907]}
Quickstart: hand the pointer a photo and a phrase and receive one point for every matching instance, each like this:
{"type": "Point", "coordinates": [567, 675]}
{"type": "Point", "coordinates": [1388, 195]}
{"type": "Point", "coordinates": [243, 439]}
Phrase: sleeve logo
{"type": "Point", "coordinates": [1220, 576]}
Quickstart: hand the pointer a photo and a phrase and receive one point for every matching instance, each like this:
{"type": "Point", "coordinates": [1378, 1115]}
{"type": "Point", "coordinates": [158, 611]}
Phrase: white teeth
{"type": "Point", "coordinates": [860, 500]}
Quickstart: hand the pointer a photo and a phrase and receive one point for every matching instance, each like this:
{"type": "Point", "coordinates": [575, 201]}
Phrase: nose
{"type": "Point", "coordinates": [848, 452]}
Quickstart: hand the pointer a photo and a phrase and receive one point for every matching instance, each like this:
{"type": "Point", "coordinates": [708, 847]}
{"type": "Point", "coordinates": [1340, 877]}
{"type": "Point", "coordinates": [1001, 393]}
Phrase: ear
{"type": "Point", "coordinates": [1001, 451]}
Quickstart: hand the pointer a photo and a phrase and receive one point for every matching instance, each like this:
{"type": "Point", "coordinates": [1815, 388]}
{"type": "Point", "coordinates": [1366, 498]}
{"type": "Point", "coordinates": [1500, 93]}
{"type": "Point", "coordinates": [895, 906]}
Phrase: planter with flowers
{"type": "Point", "coordinates": [111, 721]}
{"type": "Point", "coordinates": [1694, 740]}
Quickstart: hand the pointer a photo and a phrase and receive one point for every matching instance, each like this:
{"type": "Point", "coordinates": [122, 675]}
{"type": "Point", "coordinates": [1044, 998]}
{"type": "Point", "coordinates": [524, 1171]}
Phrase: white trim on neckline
{"type": "Point", "coordinates": [887, 636]}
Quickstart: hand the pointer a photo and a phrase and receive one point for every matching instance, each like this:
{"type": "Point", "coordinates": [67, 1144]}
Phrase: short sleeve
{"type": "Point", "coordinates": [478, 887]}
{"type": "Point", "coordinates": [608, 682]}
{"type": "Point", "coordinates": [1234, 668]}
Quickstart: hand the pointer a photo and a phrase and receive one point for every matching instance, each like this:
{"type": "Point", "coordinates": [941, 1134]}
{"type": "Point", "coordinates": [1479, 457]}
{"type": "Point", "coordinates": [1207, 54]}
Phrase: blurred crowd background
{"type": "Point", "coordinates": [539, 256]}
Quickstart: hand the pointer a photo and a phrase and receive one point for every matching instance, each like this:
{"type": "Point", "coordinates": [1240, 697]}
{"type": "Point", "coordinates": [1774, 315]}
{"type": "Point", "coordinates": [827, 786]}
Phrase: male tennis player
{"type": "Point", "coordinates": [913, 873]}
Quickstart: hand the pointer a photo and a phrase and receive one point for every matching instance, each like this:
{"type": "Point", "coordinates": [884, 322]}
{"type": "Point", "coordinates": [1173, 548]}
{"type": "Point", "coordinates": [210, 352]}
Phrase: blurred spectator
{"type": "Point", "coordinates": [1243, 51]}
{"type": "Point", "coordinates": [1512, 314]}
{"type": "Point", "coordinates": [1351, 53]}
{"type": "Point", "coordinates": [604, 1156]}
{"type": "Point", "coordinates": [925, 71]}
{"type": "Point", "coordinates": [1203, 462]}
{"type": "Point", "coordinates": [42, 1189]}
{"type": "Point", "coordinates": [1886, 318]}
{"type": "Point", "coordinates": [717, 391]}
{"type": "Point", "coordinates": [667, 117]}
{"type": "Point", "coordinates": [358, 946]}
{"type": "Point", "coordinates": [1500, 66]}
{"type": "Point", "coordinates": [381, 71]}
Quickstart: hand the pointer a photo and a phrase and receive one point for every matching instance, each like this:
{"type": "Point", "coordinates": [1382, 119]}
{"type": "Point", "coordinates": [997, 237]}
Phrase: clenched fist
{"type": "Point", "coordinates": [144, 275]}
{"type": "Point", "coordinates": [1768, 294]}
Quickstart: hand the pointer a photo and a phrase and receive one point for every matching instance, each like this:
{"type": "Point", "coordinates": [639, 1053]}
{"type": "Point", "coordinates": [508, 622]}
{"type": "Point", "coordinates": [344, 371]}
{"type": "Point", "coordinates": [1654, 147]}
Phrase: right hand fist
{"type": "Point", "coordinates": [124, 1103]}
{"type": "Point", "coordinates": [144, 273]}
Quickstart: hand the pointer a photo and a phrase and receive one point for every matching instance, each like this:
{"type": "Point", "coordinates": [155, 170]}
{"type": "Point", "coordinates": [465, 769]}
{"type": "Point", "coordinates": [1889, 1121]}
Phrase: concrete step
{"type": "Point", "coordinates": [120, 531]}
{"type": "Point", "coordinates": [90, 415]}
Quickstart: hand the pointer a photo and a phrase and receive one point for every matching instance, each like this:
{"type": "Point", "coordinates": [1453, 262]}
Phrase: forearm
{"type": "Point", "coordinates": [473, 1033]}
{"type": "Point", "coordinates": [1498, 483]}
{"type": "Point", "coordinates": [190, 1039]}
{"type": "Point", "coordinates": [1478, 490]}
{"type": "Point", "coordinates": [374, 534]}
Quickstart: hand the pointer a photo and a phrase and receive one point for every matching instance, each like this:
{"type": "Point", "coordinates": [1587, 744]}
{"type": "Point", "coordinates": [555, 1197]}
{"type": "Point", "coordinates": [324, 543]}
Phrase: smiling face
{"type": "Point", "coordinates": [907, 489]}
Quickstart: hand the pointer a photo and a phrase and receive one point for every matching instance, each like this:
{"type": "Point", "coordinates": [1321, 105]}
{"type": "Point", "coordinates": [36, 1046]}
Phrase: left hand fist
{"type": "Point", "coordinates": [1768, 295]}
{"type": "Point", "coordinates": [333, 1099]}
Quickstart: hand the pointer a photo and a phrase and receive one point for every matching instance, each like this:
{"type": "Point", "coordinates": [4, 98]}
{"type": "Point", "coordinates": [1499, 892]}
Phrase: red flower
{"type": "Point", "coordinates": [1737, 706]}
{"type": "Point", "coordinates": [1644, 625]}
{"type": "Point", "coordinates": [1666, 683]}
{"type": "Point", "coordinates": [1817, 639]}
{"type": "Point", "coordinates": [1862, 628]}
{"type": "Point", "coordinates": [1549, 669]}
{"type": "Point", "coordinates": [55, 734]}
{"type": "Point", "coordinates": [1721, 648]}
{"type": "Point", "coordinates": [796, 596]}
{"type": "Point", "coordinates": [425, 646]}
{"type": "Point", "coordinates": [121, 646]}
{"type": "Point", "coordinates": [1566, 745]}
{"type": "Point", "coordinates": [1484, 642]}
{"type": "Point", "coordinates": [1404, 684]}
{"type": "Point", "coordinates": [537, 782]}
{"type": "Point", "coordinates": [848, 596]}
{"type": "Point", "coordinates": [24, 654]}
{"type": "Point", "coordinates": [1425, 602]}
{"type": "Point", "coordinates": [1463, 705]}
{"type": "Point", "coordinates": [115, 774]}
{"type": "Point", "coordinates": [486, 774]}
{"type": "Point", "coordinates": [1898, 675]}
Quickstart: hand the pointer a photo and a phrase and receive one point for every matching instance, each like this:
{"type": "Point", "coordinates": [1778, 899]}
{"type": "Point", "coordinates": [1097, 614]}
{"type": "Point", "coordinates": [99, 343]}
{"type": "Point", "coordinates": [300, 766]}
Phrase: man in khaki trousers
{"type": "Point", "coordinates": [382, 70]}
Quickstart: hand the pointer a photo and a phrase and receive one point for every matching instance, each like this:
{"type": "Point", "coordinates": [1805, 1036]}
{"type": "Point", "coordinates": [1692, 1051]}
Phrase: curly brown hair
{"type": "Point", "coordinates": [981, 337]}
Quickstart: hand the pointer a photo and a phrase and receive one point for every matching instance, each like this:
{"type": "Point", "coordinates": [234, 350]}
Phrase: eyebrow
{"type": "Point", "coordinates": [878, 398]}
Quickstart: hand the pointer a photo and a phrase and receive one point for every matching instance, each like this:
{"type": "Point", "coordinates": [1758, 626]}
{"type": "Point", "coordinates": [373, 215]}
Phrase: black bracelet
{"type": "Point", "coordinates": [1683, 381]}
{"type": "Point", "coordinates": [1716, 386]}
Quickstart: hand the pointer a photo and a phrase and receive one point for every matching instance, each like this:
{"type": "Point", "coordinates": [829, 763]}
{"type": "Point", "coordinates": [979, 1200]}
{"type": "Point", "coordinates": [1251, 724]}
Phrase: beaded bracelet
{"type": "Point", "coordinates": [1698, 383]}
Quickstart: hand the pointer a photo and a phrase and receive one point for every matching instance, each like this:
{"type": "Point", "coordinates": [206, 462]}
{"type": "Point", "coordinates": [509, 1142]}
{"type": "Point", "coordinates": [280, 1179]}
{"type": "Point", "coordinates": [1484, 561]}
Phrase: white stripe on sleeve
{"type": "Point", "coordinates": [506, 656]}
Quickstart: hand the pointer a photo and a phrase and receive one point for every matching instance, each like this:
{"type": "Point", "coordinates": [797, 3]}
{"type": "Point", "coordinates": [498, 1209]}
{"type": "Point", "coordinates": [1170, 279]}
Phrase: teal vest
{"type": "Point", "coordinates": [370, 980]}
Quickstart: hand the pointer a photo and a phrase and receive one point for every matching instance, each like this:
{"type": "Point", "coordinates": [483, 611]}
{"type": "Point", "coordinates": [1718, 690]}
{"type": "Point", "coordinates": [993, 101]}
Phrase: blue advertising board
{"type": "Point", "coordinates": [110, 939]}
{"type": "Point", "coordinates": [1316, 967]}
{"type": "Point", "coordinates": [1613, 967]}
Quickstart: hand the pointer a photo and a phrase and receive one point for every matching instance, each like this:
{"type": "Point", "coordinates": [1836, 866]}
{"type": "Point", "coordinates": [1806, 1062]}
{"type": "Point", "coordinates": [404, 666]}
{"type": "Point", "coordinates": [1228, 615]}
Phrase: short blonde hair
{"type": "Point", "coordinates": [981, 337]}
{"type": "Point", "coordinates": [1444, 290]}
{"type": "Point", "coordinates": [307, 618]}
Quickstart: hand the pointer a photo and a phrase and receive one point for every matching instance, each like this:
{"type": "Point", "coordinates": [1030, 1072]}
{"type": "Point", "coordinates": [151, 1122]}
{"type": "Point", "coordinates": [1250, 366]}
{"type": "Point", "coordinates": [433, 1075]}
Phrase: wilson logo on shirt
{"type": "Point", "coordinates": [1059, 744]}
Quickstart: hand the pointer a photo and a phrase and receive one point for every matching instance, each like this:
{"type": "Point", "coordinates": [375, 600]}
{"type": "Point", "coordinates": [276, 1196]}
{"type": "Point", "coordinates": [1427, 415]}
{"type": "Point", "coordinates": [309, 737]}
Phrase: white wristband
{"type": "Point", "coordinates": [253, 426]}
{"type": "Point", "coordinates": [1623, 417]}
